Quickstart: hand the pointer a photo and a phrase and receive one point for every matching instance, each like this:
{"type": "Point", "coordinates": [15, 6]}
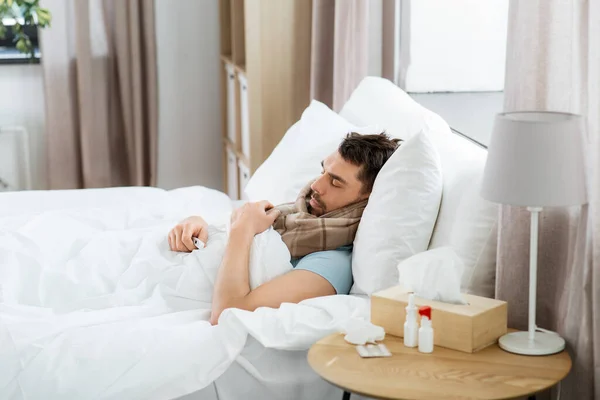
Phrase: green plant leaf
{"type": "Point", "coordinates": [27, 12]}
{"type": "Point", "coordinates": [24, 45]}
{"type": "Point", "coordinates": [27, 15]}
{"type": "Point", "coordinates": [5, 10]}
{"type": "Point", "coordinates": [44, 17]}
{"type": "Point", "coordinates": [21, 45]}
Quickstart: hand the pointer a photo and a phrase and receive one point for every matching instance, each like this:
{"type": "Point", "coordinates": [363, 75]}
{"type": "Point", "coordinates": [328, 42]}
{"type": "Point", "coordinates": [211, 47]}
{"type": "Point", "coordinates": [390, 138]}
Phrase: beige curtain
{"type": "Point", "coordinates": [339, 56]}
{"type": "Point", "coordinates": [99, 66]}
{"type": "Point", "coordinates": [553, 63]}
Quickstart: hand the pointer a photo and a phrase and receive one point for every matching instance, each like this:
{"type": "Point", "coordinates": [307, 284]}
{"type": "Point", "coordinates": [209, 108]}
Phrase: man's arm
{"type": "Point", "coordinates": [232, 286]}
{"type": "Point", "coordinates": [232, 283]}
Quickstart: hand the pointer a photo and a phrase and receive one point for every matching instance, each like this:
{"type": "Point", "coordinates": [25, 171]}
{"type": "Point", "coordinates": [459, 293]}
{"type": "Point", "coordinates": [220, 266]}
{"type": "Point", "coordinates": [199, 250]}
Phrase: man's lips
{"type": "Point", "coordinates": [314, 203]}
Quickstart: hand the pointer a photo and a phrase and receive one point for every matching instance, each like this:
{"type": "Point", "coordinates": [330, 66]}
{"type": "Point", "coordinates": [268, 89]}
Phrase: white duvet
{"type": "Point", "coordinates": [93, 304]}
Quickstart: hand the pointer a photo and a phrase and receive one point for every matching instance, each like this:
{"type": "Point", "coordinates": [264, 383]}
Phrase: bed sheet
{"type": "Point", "coordinates": [263, 373]}
{"type": "Point", "coordinates": [154, 349]}
{"type": "Point", "coordinates": [269, 374]}
{"type": "Point", "coordinates": [174, 203]}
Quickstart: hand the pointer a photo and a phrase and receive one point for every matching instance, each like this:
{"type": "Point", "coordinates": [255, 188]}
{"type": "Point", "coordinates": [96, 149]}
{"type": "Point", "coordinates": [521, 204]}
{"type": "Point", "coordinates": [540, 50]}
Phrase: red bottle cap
{"type": "Point", "coordinates": [425, 311]}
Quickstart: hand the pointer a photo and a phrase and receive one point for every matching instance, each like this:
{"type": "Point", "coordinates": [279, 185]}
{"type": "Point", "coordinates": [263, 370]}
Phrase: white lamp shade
{"type": "Point", "coordinates": [536, 159]}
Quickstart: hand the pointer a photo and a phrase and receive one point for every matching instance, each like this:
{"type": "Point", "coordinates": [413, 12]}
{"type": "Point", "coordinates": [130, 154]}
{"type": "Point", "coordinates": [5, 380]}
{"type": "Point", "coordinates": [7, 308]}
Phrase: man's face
{"type": "Point", "coordinates": [337, 187]}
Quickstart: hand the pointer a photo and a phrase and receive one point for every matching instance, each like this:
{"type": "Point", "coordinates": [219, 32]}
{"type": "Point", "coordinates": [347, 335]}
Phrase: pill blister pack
{"type": "Point", "coordinates": [373, 350]}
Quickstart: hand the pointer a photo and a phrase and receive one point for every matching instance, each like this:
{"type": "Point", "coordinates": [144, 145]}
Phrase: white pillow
{"type": "Point", "coordinates": [377, 100]}
{"type": "Point", "coordinates": [465, 221]}
{"type": "Point", "coordinates": [399, 218]}
{"type": "Point", "coordinates": [297, 158]}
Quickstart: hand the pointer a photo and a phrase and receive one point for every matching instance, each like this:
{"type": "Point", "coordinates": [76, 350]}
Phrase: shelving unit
{"type": "Point", "coordinates": [265, 75]}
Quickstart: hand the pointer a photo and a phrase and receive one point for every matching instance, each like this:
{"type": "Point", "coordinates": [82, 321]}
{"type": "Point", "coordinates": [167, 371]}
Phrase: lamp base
{"type": "Point", "coordinates": [543, 343]}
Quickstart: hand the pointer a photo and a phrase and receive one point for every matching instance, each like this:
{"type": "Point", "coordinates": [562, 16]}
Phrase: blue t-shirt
{"type": "Point", "coordinates": [333, 265]}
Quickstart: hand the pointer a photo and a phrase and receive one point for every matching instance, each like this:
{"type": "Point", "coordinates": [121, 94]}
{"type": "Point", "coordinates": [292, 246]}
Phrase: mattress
{"type": "Point", "coordinates": [154, 349]}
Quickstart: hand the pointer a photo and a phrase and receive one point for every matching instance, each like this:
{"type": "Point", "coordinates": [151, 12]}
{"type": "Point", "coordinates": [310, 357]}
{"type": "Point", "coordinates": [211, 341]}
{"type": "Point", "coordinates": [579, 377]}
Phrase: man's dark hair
{"type": "Point", "coordinates": [369, 152]}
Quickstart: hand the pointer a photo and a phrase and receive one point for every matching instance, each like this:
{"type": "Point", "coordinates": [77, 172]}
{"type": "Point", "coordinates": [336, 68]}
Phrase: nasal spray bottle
{"type": "Point", "coordinates": [411, 326]}
{"type": "Point", "coordinates": [425, 331]}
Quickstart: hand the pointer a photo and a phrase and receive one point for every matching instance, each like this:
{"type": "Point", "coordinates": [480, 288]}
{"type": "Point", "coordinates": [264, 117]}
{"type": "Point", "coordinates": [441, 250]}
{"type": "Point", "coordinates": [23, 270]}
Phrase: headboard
{"type": "Point", "coordinates": [466, 222]}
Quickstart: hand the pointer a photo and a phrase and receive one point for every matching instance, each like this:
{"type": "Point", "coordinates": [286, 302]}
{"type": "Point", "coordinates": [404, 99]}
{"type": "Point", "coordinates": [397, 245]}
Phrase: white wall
{"type": "Point", "coordinates": [22, 104]}
{"type": "Point", "coordinates": [189, 129]}
{"type": "Point", "coordinates": [190, 148]}
{"type": "Point", "coordinates": [453, 45]}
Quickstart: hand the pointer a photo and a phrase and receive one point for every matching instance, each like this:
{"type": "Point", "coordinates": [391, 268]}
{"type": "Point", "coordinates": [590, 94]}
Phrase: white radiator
{"type": "Point", "coordinates": [15, 160]}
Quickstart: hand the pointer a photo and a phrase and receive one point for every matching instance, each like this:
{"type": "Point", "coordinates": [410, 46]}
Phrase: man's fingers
{"type": "Point", "coordinates": [273, 215]}
{"type": "Point", "coordinates": [187, 239]}
{"type": "Point", "coordinates": [171, 238]}
{"type": "Point", "coordinates": [178, 242]}
{"type": "Point", "coordinates": [265, 205]}
{"type": "Point", "coordinates": [203, 235]}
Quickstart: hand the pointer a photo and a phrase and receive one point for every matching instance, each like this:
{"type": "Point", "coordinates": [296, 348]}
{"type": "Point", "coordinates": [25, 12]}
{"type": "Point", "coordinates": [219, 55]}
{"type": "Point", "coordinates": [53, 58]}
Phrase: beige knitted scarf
{"type": "Point", "coordinates": [304, 233]}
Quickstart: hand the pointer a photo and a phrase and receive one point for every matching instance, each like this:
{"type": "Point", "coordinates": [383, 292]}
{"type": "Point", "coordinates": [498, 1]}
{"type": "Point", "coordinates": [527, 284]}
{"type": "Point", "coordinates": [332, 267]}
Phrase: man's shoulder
{"type": "Point", "coordinates": [333, 265]}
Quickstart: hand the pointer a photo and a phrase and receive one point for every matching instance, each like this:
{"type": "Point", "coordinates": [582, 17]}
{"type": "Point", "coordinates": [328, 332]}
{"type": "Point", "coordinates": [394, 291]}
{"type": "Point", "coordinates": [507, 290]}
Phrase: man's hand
{"type": "Point", "coordinates": [181, 238]}
{"type": "Point", "coordinates": [254, 218]}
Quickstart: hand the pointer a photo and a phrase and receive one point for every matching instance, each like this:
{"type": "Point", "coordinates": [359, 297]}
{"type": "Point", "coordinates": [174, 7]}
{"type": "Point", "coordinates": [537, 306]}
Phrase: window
{"type": "Point", "coordinates": [452, 60]}
{"type": "Point", "coordinates": [9, 53]}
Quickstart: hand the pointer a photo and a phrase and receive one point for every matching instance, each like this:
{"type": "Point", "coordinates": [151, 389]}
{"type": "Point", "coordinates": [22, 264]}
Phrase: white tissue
{"type": "Point", "coordinates": [359, 331]}
{"type": "Point", "coordinates": [434, 274]}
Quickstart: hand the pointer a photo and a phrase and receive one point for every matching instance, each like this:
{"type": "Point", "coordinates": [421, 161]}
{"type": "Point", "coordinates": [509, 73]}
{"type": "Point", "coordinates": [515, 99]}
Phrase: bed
{"type": "Point", "coordinates": [50, 350]}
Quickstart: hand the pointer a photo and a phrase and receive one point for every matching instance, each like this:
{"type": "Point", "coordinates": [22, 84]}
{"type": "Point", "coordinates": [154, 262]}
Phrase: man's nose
{"type": "Point", "coordinates": [317, 186]}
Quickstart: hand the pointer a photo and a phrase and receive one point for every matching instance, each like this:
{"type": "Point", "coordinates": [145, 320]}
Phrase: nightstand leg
{"type": "Point", "coordinates": [346, 396]}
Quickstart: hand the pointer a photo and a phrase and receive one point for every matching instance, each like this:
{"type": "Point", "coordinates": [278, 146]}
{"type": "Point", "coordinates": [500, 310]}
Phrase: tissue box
{"type": "Point", "coordinates": [467, 328]}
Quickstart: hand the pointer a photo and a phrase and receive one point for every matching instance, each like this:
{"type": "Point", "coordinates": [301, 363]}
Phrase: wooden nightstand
{"type": "Point", "coordinates": [490, 373]}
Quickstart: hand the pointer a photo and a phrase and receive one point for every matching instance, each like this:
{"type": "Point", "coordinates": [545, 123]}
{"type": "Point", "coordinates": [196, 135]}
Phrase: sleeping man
{"type": "Point", "coordinates": [318, 229]}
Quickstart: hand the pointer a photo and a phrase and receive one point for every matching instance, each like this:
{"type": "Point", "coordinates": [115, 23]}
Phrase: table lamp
{"type": "Point", "coordinates": [535, 159]}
